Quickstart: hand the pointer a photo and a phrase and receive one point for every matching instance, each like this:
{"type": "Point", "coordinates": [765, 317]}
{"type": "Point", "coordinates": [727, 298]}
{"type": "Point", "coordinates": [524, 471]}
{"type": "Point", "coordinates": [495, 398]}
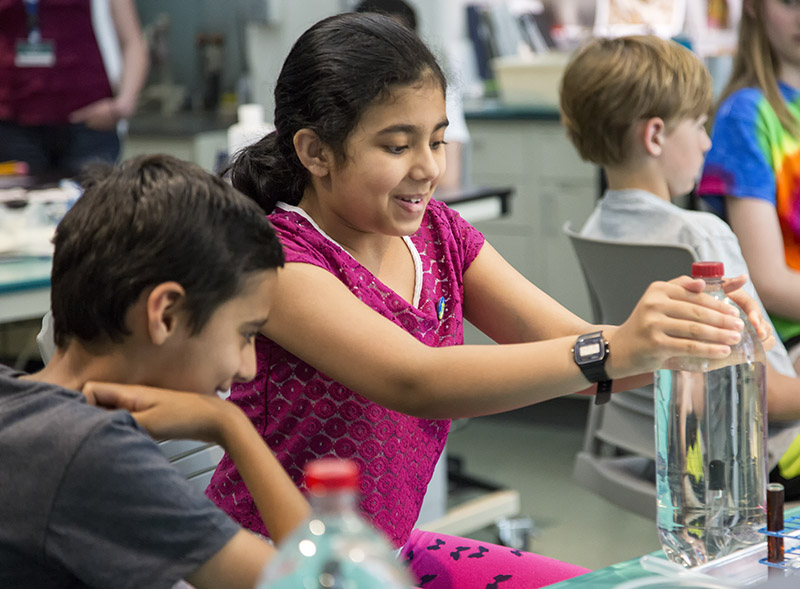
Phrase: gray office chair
{"type": "Point", "coordinates": [197, 461]}
{"type": "Point", "coordinates": [617, 459]}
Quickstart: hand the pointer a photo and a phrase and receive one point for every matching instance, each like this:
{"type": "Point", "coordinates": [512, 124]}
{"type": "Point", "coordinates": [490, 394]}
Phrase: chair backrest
{"type": "Point", "coordinates": [197, 461]}
{"type": "Point", "coordinates": [617, 273]}
{"type": "Point", "coordinates": [619, 448]}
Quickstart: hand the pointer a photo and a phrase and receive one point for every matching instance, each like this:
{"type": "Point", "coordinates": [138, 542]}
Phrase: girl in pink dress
{"type": "Point", "coordinates": [363, 354]}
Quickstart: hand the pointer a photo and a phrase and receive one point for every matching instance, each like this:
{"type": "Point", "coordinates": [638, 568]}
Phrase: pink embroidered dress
{"type": "Point", "coordinates": [303, 414]}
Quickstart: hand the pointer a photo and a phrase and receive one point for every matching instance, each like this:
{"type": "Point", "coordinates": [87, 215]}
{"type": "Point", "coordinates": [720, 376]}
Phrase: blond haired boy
{"type": "Point", "coordinates": [637, 106]}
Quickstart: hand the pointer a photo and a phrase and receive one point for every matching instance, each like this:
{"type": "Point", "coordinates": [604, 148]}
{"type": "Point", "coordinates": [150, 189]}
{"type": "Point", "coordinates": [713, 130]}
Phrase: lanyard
{"type": "Point", "coordinates": [32, 10]}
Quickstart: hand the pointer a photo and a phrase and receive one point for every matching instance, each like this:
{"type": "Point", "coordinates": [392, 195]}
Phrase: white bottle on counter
{"type": "Point", "coordinates": [250, 127]}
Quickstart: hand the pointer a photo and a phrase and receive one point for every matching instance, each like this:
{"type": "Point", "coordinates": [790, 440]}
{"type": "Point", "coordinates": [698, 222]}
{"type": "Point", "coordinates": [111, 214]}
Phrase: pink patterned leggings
{"type": "Point", "coordinates": [439, 561]}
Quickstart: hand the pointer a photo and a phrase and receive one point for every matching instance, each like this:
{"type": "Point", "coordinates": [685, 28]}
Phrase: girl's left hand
{"type": "Point", "coordinates": [751, 308]}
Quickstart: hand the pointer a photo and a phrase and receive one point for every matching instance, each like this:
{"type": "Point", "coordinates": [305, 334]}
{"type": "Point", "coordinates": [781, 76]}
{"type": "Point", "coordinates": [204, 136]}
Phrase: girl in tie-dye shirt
{"type": "Point", "coordinates": [752, 173]}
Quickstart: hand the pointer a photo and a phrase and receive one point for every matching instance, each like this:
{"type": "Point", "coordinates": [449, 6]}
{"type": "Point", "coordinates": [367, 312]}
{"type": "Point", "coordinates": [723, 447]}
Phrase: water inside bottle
{"type": "Point", "coordinates": [711, 477]}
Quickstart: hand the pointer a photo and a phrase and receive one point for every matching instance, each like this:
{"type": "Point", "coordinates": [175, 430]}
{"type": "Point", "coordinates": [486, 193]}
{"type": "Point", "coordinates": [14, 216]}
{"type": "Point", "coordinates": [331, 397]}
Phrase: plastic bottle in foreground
{"type": "Point", "coordinates": [710, 426]}
{"type": "Point", "coordinates": [335, 548]}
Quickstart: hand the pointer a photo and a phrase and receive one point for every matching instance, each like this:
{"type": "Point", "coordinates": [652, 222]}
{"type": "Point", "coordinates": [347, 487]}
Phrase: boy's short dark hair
{"type": "Point", "coordinates": [610, 84]}
{"type": "Point", "coordinates": [150, 220]}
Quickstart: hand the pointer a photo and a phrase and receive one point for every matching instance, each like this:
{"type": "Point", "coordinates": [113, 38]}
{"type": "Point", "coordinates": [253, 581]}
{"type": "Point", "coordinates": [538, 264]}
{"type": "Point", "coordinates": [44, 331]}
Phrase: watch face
{"type": "Point", "coordinates": [590, 350]}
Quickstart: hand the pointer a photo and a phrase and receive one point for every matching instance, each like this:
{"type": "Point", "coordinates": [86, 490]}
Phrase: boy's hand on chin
{"type": "Point", "coordinates": [163, 413]}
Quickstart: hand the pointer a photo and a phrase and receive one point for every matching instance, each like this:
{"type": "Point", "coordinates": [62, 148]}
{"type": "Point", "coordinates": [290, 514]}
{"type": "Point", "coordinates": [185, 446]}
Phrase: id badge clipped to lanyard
{"type": "Point", "coordinates": [34, 51]}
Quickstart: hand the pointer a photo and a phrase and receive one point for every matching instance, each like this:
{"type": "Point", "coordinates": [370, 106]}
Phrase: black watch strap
{"type": "Point", "coordinates": [595, 372]}
{"type": "Point", "coordinates": [603, 394]}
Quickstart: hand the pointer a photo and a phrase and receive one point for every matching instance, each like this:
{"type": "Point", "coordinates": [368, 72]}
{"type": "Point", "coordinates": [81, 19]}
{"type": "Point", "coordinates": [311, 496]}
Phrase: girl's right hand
{"type": "Point", "coordinates": [672, 319]}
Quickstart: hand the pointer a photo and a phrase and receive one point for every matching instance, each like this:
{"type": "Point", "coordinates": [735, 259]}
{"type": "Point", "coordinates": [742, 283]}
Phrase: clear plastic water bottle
{"type": "Point", "coordinates": [710, 426]}
{"type": "Point", "coordinates": [335, 548]}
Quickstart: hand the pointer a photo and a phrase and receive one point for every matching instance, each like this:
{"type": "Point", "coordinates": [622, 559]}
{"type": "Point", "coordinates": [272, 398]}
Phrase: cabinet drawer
{"type": "Point", "coordinates": [498, 149]}
{"type": "Point", "coordinates": [555, 155]}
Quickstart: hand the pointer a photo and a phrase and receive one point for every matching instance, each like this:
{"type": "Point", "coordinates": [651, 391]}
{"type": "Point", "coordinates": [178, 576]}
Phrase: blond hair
{"type": "Point", "coordinates": [756, 64]}
{"type": "Point", "coordinates": [610, 84]}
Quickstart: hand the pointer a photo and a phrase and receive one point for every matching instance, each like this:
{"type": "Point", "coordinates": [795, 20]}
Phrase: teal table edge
{"type": "Point", "coordinates": [492, 109]}
{"type": "Point", "coordinates": [627, 570]}
{"type": "Point", "coordinates": [609, 576]}
{"type": "Point", "coordinates": [24, 273]}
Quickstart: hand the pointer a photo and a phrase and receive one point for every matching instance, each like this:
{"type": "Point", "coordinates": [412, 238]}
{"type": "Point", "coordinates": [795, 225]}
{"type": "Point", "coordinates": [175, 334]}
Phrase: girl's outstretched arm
{"type": "Point", "coordinates": [316, 317]}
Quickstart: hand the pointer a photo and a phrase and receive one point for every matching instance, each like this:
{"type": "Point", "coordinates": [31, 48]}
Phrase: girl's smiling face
{"type": "Point", "coordinates": [394, 159]}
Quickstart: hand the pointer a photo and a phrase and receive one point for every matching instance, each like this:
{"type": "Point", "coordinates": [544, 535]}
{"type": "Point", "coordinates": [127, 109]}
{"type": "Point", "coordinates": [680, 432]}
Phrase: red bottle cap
{"type": "Point", "coordinates": [331, 474]}
{"type": "Point", "coordinates": [708, 270]}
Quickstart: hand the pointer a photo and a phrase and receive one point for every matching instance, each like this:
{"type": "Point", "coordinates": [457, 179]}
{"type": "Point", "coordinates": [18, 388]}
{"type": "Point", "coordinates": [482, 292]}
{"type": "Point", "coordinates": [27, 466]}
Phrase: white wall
{"type": "Point", "coordinates": [268, 45]}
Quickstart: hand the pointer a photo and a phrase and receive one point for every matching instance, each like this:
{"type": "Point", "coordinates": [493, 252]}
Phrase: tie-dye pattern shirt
{"type": "Point", "coordinates": [753, 156]}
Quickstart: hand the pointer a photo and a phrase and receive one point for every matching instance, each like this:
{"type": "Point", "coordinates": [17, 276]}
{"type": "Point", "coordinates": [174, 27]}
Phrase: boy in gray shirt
{"type": "Point", "coordinates": [162, 276]}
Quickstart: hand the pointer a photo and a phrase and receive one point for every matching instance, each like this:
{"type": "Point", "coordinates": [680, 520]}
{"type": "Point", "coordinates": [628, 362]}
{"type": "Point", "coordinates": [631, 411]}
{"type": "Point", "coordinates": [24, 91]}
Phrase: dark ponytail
{"type": "Point", "coordinates": [267, 174]}
{"type": "Point", "coordinates": [333, 73]}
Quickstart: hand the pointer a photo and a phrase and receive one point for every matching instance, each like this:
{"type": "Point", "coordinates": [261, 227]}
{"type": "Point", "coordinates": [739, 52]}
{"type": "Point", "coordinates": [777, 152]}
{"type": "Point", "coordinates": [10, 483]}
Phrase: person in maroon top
{"type": "Point", "coordinates": [69, 72]}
